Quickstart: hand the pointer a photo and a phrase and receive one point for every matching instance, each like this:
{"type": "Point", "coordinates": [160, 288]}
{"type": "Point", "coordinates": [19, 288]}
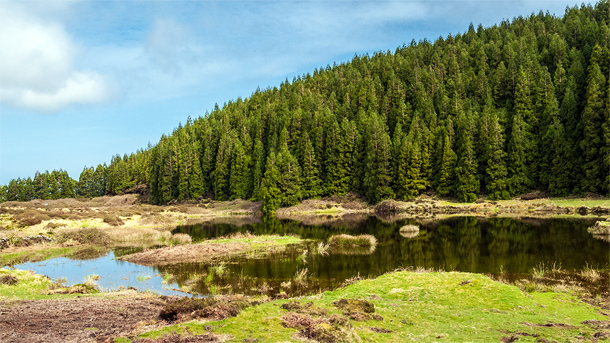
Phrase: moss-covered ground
{"type": "Point", "coordinates": [409, 306]}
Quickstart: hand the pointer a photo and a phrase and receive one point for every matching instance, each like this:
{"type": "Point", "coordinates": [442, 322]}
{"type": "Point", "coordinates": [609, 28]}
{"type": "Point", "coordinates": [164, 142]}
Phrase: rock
{"type": "Point", "coordinates": [535, 195]}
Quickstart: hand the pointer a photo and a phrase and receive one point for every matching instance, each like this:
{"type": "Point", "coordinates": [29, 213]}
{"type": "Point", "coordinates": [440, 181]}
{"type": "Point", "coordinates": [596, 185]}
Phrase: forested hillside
{"type": "Point", "coordinates": [495, 111]}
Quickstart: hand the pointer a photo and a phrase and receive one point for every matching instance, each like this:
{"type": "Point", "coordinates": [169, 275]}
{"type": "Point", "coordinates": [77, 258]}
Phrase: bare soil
{"type": "Point", "coordinates": [87, 319]}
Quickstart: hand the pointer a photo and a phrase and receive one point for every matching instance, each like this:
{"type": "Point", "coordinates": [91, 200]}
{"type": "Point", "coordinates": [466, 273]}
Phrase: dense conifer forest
{"type": "Point", "coordinates": [496, 112]}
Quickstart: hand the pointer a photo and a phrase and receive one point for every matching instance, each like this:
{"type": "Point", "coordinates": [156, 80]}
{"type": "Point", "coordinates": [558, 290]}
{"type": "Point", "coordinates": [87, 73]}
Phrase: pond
{"type": "Point", "coordinates": [469, 244]}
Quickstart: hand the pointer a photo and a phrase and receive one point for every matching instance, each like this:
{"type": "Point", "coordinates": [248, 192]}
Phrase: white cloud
{"type": "Point", "coordinates": [37, 70]}
{"type": "Point", "coordinates": [170, 46]}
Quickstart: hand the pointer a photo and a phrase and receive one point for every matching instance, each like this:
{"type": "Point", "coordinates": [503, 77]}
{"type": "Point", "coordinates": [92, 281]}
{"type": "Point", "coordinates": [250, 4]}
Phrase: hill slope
{"type": "Point", "coordinates": [496, 111]}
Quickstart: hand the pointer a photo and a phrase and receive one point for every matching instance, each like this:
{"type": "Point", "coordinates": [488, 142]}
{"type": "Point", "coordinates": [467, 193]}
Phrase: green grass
{"type": "Point", "coordinates": [29, 286]}
{"type": "Point", "coordinates": [425, 307]}
{"type": "Point", "coordinates": [564, 202]}
{"type": "Point", "coordinates": [256, 242]}
{"type": "Point", "coordinates": [34, 255]}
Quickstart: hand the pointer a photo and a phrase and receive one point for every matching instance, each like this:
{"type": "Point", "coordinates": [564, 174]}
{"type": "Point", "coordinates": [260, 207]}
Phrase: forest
{"type": "Point", "coordinates": [492, 112]}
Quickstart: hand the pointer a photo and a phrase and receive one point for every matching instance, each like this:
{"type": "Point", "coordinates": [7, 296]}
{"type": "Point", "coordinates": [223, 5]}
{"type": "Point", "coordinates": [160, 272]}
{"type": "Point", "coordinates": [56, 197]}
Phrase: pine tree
{"type": "Point", "coordinates": [41, 186]}
{"type": "Point", "coordinates": [445, 174]}
{"type": "Point", "coordinates": [221, 173]}
{"type": "Point", "coordinates": [290, 177]}
{"type": "Point", "coordinates": [311, 180]}
{"type": "Point", "coordinates": [240, 172]}
{"type": "Point", "coordinates": [257, 174]}
{"type": "Point", "coordinates": [592, 144]}
{"type": "Point", "coordinates": [466, 182]}
{"type": "Point", "coordinates": [334, 161]}
{"type": "Point", "coordinates": [195, 179]}
{"type": "Point", "coordinates": [270, 193]}
{"type": "Point", "coordinates": [496, 172]}
{"type": "Point", "coordinates": [378, 175]}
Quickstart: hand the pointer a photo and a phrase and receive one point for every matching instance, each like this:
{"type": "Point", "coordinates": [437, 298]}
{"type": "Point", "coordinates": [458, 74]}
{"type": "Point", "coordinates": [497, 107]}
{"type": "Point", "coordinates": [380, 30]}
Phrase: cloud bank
{"type": "Point", "coordinates": [37, 70]}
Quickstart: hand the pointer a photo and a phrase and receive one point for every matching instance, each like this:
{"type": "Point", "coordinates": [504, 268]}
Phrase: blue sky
{"type": "Point", "coordinates": [81, 81]}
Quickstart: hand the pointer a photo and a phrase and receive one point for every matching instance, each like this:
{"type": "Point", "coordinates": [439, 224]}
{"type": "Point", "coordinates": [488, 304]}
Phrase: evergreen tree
{"type": "Point", "coordinates": [290, 177]}
{"type": "Point", "coordinates": [445, 174]}
{"type": "Point", "coordinates": [466, 182]}
{"type": "Point", "coordinates": [592, 144]}
{"type": "Point", "coordinates": [270, 193]}
{"type": "Point", "coordinates": [496, 172]}
{"type": "Point", "coordinates": [378, 174]}
{"type": "Point", "coordinates": [311, 180]}
{"type": "Point", "coordinates": [222, 170]}
{"type": "Point", "coordinates": [257, 174]}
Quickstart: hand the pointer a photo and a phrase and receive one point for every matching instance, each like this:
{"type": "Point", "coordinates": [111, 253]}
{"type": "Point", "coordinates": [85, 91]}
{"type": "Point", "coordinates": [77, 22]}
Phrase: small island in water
{"type": "Point", "coordinates": [456, 190]}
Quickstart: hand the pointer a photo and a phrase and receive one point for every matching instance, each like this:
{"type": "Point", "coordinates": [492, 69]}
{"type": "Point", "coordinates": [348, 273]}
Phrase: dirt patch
{"type": "Point", "coordinates": [307, 308]}
{"type": "Point", "coordinates": [379, 330]}
{"type": "Point", "coordinates": [8, 280]}
{"type": "Point", "coordinates": [355, 305]}
{"type": "Point", "coordinates": [202, 252]}
{"type": "Point", "coordinates": [77, 320]}
{"type": "Point", "coordinates": [358, 310]}
{"type": "Point", "coordinates": [334, 328]}
{"type": "Point", "coordinates": [216, 308]}
{"type": "Point", "coordinates": [551, 325]}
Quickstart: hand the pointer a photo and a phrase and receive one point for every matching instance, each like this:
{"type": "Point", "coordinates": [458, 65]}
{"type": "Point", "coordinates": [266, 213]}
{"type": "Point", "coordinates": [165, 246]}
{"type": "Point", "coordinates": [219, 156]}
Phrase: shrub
{"type": "Point", "coordinates": [113, 220]}
{"type": "Point", "coordinates": [85, 236]}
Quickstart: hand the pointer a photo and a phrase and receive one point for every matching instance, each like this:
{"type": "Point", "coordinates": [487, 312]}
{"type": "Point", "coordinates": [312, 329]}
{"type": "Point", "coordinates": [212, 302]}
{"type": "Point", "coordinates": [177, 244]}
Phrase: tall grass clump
{"type": "Point", "coordinates": [409, 231]}
{"type": "Point", "coordinates": [323, 248]}
{"type": "Point", "coordinates": [590, 273]}
{"type": "Point", "coordinates": [539, 271]}
{"type": "Point", "coordinates": [300, 277]}
{"type": "Point", "coordinates": [352, 241]}
{"type": "Point", "coordinates": [180, 238]}
{"type": "Point", "coordinates": [91, 280]}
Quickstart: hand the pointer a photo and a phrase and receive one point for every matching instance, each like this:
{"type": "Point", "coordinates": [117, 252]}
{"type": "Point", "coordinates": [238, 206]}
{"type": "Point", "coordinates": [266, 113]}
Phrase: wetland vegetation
{"type": "Point", "coordinates": [401, 196]}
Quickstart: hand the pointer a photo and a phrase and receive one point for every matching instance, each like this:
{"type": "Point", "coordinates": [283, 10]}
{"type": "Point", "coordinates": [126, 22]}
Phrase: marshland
{"type": "Point", "coordinates": [451, 190]}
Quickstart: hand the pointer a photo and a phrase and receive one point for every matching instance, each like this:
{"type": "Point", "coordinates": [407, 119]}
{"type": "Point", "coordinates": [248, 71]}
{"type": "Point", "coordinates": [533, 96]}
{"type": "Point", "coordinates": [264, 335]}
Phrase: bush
{"type": "Point", "coordinates": [85, 236]}
{"type": "Point", "coordinates": [113, 220]}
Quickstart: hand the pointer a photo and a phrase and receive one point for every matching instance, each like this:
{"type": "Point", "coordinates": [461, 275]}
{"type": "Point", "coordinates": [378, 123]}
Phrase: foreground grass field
{"type": "Point", "coordinates": [409, 306]}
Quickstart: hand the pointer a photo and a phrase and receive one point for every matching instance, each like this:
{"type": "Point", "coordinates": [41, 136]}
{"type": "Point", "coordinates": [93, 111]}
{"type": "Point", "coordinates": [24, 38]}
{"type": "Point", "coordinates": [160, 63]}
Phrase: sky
{"type": "Point", "coordinates": [81, 81]}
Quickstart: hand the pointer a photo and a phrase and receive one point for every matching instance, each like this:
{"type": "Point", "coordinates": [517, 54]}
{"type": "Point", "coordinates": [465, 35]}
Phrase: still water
{"type": "Point", "coordinates": [469, 244]}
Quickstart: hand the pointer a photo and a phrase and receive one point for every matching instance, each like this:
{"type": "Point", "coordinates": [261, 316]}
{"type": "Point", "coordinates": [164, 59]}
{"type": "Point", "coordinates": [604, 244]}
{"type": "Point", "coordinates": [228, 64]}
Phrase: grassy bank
{"type": "Point", "coordinates": [408, 306]}
{"type": "Point", "coordinates": [214, 249]}
{"type": "Point", "coordinates": [26, 285]}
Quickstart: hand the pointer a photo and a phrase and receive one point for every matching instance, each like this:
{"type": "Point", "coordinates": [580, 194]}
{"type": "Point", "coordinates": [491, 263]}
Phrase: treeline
{"type": "Point", "coordinates": [496, 111]}
{"type": "Point", "coordinates": [56, 185]}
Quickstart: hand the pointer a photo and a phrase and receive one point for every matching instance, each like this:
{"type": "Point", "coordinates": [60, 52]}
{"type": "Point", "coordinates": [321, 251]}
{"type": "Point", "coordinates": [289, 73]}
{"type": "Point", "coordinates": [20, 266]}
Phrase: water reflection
{"type": "Point", "coordinates": [469, 244]}
{"type": "Point", "coordinates": [115, 274]}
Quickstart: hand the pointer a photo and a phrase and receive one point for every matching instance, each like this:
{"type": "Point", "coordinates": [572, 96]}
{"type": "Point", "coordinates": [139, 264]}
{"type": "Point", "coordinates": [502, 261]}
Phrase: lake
{"type": "Point", "coordinates": [507, 246]}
